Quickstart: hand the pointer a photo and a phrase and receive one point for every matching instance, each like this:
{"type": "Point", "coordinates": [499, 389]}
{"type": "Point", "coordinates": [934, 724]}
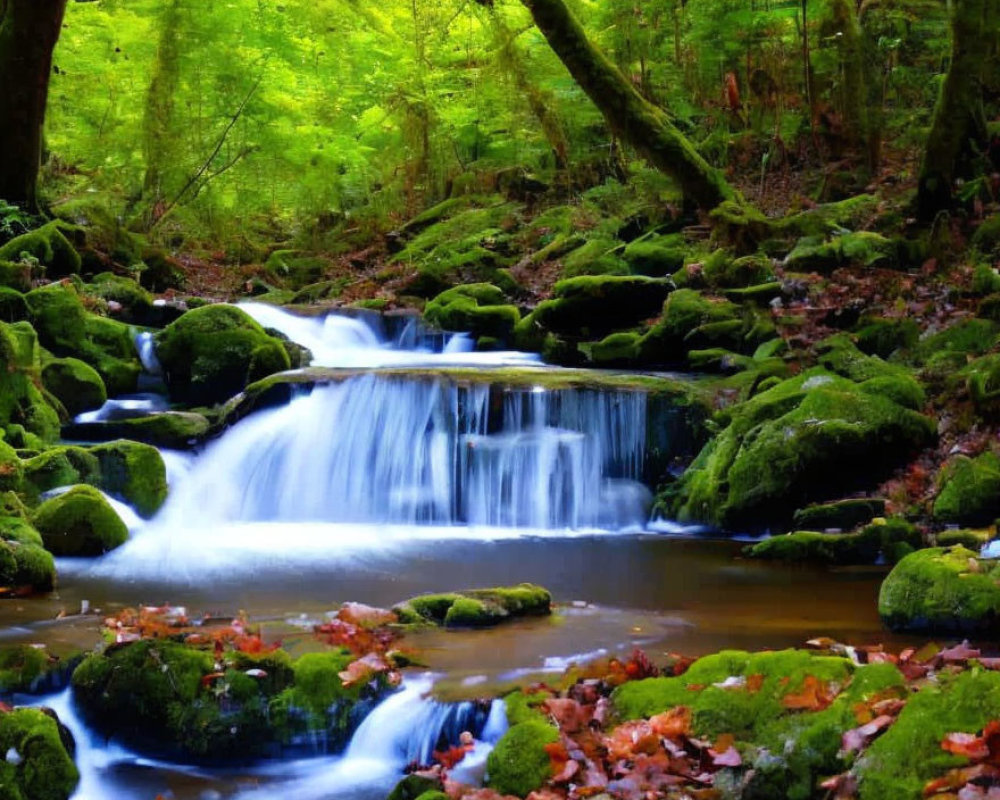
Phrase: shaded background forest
{"type": "Point", "coordinates": [232, 124]}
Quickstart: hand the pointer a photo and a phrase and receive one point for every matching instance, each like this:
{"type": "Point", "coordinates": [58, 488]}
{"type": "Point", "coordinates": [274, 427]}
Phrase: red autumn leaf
{"type": "Point", "coordinates": [672, 724]}
{"type": "Point", "coordinates": [960, 653]}
{"type": "Point", "coordinates": [362, 669]}
{"type": "Point", "coordinates": [630, 738]}
{"type": "Point", "coordinates": [858, 738]}
{"type": "Point", "coordinates": [366, 616]}
{"type": "Point", "coordinates": [956, 778]}
{"type": "Point", "coordinates": [728, 758]}
{"type": "Point", "coordinates": [814, 695]}
{"type": "Point", "coordinates": [450, 757]}
{"type": "Point", "coordinates": [965, 744]}
{"type": "Point", "coordinates": [569, 715]}
{"type": "Point", "coordinates": [208, 680]}
{"type": "Point", "coordinates": [754, 683]}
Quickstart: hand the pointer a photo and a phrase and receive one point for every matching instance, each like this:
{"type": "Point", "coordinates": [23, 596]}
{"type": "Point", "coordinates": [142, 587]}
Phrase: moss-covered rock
{"type": "Point", "coordinates": [49, 246]}
{"type": "Point", "coordinates": [22, 402]}
{"type": "Point", "coordinates": [891, 540]}
{"type": "Point", "coordinates": [841, 514]}
{"type": "Point", "coordinates": [211, 353]}
{"type": "Point", "coordinates": [880, 336]}
{"type": "Point", "coordinates": [134, 472]}
{"type": "Point", "coordinates": [13, 307]}
{"type": "Point", "coordinates": [861, 249]}
{"type": "Point", "coordinates": [520, 764]}
{"type": "Point", "coordinates": [476, 608]}
{"type": "Point", "coordinates": [79, 522]}
{"type": "Point", "coordinates": [416, 787]}
{"type": "Point", "coordinates": [479, 308]}
{"type": "Point", "coordinates": [589, 306]}
{"type": "Point", "coordinates": [25, 668]}
{"type": "Point", "coordinates": [969, 490]}
{"type": "Point", "coordinates": [840, 355]}
{"type": "Point", "coordinates": [941, 590]}
{"type": "Point", "coordinates": [132, 302]}
{"type": "Point", "coordinates": [76, 384]}
{"type": "Point", "coordinates": [24, 564]}
{"type": "Point", "coordinates": [172, 429]}
{"type": "Point", "coordinates": [909, 754]}
{"type": "Point", "coordinates": [295, 268]}
{"type": "Point", "coordinates": [67, 329]}
{"type": "Point", "coordinates": [658, 257]}
{"type": "Point", "coordinates": [805, 439]}
{"type": "Point", "coordinates": [949, 349]}
{"type": "Point", "coordinates": [595, 257]}
{"type": "Point", "coordinates": [59, 466]}
{"type": "Point", "coordinates": [15, 275]}
{"type": "Point", "coordinates": [43, 768]}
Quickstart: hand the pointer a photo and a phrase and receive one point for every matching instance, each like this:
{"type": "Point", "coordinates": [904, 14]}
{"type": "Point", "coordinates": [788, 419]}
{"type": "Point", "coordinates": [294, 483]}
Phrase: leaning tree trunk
{"type": "Point", "coordinates": [29, 30]}
{"type": "Point", "coordinates": [959, 118]}
{"type": "Point", "coordinates": [629, 115]}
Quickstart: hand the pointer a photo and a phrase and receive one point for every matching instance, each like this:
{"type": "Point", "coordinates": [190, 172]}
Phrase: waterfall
{"type": "Point", "coordinates": [400, 450]}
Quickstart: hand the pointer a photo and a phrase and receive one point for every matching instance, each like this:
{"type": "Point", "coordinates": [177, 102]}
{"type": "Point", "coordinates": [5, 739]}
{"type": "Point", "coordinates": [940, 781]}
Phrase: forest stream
{"type": "Point", "coordinates": [380, 485]}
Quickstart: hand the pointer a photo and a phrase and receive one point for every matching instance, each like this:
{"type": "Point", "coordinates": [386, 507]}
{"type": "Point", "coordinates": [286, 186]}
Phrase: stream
{"type": "Point", "coordinates": [393, 477]}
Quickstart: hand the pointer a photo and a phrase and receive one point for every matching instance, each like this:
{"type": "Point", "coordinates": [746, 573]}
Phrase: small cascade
{"type": "Point", "coordinates": [388, 449]}
{"type": "Point", "coordinates": [125, 407]}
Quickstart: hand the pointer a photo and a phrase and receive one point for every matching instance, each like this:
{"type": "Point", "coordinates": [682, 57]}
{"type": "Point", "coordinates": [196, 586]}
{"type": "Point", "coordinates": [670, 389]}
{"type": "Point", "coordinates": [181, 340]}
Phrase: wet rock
{"type": "Point", "coordinates": [476, 608]}
{"type": "Point", "coordinates": [79, 522]}
{"type": "Point", "coordinates": [38, 765]}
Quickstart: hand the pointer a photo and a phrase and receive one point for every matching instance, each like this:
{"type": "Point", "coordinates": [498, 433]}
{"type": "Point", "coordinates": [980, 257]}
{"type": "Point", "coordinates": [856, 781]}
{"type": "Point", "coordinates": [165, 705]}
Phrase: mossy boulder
{"type": "Point", "coordinates": [26, 668]}
{"type": "Point", "coordinates": [593, 305]}
{"type": "Point", "coordinates": [840, 514]}
{"type": "Point", "coordinates": [722, 270]}
{"type": "Point", "coordinates": [839, 354]}
{"type": "Point", "coordinates": [295, 268]}
{"type": "Point", "coordinates": [77, 385]}
{"type": "Point", "coordinates": [596, 257]}
{"type": "Point", "coordinates": [881, 336]}
{"type": "Point", "coordinates": [476, 608]}
{"type": "Point", "coordinates": [520, 764]}
{"type": "Point", "coordinates": [969, 490]}
{"type": "Point", "coordinates": [479, 308]}
{"type": "Point", "coordinates": [59, 466]}
{"type": "Point", "coordinates": [172, 429]}
{"type": "Point", "coordinates": [943, 590]}
{"type": "Point", "coordinates": [134, 472]}
{"type": "Point", "coordinates": [909, 754]}
{"type": "Point", "coordinates": [22, 401]}
{"type": "Point", "coordinates": [49, 245]}
{"type": "Point", "coordinates": [949, 350]}
{"type": "Point", "coordinates": [213, 352]}
{"type": "Point", "coordinates": [805, 439]}
{"type": "Point", "coordinates": [13, 307]}
{"type": "Point", "coordinates": [890, 540]}
{"type": "Point", "coordinates": [24, 562]}
{"type": "Point", "coordinates": [43, 768]}
{"type": "Point", "coordinates": [67, 329]}
{"type": "Point", "coordinates": [861, 249]}
{"type": "Point", "coordinates": [132, 302]}
{"type": "Point", "coordinates": [982, 380]}
{"type": "Point", "coordinates": [417, 787]}
{"type": "Point", "coordinates": [15, 275]}
{"type": "Point", "coordinates": [79, 522]}
{"type": "Point", "coordinates": [657, 257]}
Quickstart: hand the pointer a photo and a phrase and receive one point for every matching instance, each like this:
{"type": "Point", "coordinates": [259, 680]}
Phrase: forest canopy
{"type": "Point", "coordinates": [263, 118]}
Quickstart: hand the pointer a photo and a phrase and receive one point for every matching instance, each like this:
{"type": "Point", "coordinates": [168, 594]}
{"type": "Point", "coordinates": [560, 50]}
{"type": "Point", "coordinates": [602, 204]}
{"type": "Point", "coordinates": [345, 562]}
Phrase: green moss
{"type": "Point", "coordinates": [941, 589]}
{"type": "Point", "coordinates": [805, 439]}
{"type": "Point", "coordinates": [415, 787]}
{"type": "Point", "coordinates": [973, 539]}
{"type": "Point", "coordinates": [13, 307]}
{"type": "Point", "coordinates": [76, 384]}
{"type": "Point", "coordinates": [839, 354]}
{"type": "Point", "coordinates": [861, 249]}
{"type": "Point", "coordinates": [79, 522]}
{"type": "Point", "coordinates": [22, 402]}
{"type": "Point", "coordinates": [46, 770]}
{"type": "Point", "coordinates": [134, 472]}
{"type": "Point", "coordinates": [296, 268]}
{"type": "Point", "coordinates": [970, 490]}
{"type": "Point", "coordinates": [596, 257]}
{"type": "Point", "coordinates": [967, 337]}
{"type": "Point", "coordinates": [882, 337]}
{"type": "Point", "coordinates": [67, 329]}
{"type": "Point", "coordinates": [615, 349]}
{"type": "Point", "coordinates": [863, 547]}
{"type": "Point", "coordinates": [59, 466]}
{"type": "Point", "coordinates": [33, 567]}
{"type": "Point", "coordinates": [15, 275]}
{"type": "Point", "coordinates": [211, 353]}
{"type": "Point", "coordinates": [841, 514]}
{"type": "Point", "coordinates": [900, 762]}
{"type": "Point", "coordinates": [318, 686]}
{"type": "Point", "coordinates": [477, 607]}
{"type": "Point", "coordinates": [21, 667]}
{"type": "Point", "coordinates": [982, 380]}
{"type": "Point", "coordinates": [136, 302]}
{"type": "Point", "coordinates": [478, 308]}
{"type": "Point", "coordinates": [593, 305]}
{"type": "Point", "coordinates": [172, 429]}
{"type": "Point", "coordinates": [720, 704]}
{"type": "Point", "coordinates": [519, 764]}
{"type": "Point", "coordinates": [49, 246]}
{"type": "Point", "coordinates": [657, 257]}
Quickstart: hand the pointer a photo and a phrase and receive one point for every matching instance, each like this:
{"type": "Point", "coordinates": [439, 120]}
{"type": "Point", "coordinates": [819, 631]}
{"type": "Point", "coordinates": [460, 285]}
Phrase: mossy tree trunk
{"type": "Point", "coordinates": [159, 128]}
{"type": "Point", "coordinates": [959, 120]}
{"type": "Point", "coordinates": [630, 116]}
{"type": "Point", "coordinates": [29, 30]}
{"type": "Point", "coordinates": [854, 88]}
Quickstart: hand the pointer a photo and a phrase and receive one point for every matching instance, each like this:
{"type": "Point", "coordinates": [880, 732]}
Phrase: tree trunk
{"type": "Point", "coordinates": [159, 128]}
{"type": "Point", "coordinates": [959, 118]}
{"type": "Point", "coordinates": [29, 30]}
{"type": "Point", "coordinates": [630, 116]}
{"type": "Point", "coordinates": [854, 91]}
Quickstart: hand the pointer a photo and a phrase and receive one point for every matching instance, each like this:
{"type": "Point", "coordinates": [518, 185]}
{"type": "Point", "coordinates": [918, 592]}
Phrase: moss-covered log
{"type": "Point", "coordinates": [959, 119]}
{"type": "Point", "coordinates": [29, 30]}
{"type": "Point", "coordinates": [629, 115]}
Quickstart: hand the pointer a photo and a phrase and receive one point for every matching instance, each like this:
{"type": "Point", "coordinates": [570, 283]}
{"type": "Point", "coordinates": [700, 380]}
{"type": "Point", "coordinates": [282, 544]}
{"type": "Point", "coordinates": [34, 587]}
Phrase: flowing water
{"type": "Point", "coordinates": [396, 476]}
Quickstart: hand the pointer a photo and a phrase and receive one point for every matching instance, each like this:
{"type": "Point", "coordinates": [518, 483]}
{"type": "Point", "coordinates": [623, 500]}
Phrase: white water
{"type": "Point", "coordinates": [380, 459]}
{"type": "Point", "coordinates": [404, 728]}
